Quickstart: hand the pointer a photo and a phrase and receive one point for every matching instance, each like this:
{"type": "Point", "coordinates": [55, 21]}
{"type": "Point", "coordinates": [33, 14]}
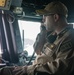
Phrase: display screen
{"type": "Point", "coordinates": [2, 3]}
{"type": "Point", "coordinates": [5, 4]}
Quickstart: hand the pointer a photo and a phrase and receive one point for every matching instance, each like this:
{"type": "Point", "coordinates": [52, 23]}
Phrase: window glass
{"type": "Point", "coordinates": [29, 31]}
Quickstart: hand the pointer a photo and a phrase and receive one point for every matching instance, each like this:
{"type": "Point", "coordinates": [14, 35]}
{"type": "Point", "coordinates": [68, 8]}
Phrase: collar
{"type": "Point", "coordinates": [63, 31]}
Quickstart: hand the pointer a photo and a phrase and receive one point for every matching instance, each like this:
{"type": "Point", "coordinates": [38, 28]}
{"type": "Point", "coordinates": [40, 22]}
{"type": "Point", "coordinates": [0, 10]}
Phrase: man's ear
{"type": "Point", "coordinates": [56, 17]}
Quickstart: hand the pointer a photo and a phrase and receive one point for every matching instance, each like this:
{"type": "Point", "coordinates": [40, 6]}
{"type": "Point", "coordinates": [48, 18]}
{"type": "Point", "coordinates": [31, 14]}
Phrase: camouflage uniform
{"type": "Point", "coordinates": [57, 57]}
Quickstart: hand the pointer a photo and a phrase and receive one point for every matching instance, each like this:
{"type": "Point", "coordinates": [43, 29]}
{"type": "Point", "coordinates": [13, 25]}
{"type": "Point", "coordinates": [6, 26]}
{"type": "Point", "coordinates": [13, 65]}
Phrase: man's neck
{"type": "Point", "coordinates": [60, 27]}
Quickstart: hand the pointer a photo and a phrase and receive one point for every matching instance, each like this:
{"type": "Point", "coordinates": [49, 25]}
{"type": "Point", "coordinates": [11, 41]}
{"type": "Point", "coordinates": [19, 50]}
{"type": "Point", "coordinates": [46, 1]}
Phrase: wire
{"type": "Point", "coordinates": [31, 58]}
{"type": "Point", "coordinates": [10, 15]}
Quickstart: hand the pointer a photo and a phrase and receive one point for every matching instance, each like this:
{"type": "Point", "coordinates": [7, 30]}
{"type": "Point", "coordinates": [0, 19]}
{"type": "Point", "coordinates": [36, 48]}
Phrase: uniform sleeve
{"type": "Point", "coordinates": [62, 64]}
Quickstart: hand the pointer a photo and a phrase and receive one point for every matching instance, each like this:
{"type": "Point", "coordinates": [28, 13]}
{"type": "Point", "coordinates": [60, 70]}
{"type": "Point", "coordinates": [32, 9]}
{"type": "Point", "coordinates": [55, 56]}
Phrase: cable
{"type": "Point", "coordinates": [10, 15]}
{"type": "Point", "coordinates": [31, 58]}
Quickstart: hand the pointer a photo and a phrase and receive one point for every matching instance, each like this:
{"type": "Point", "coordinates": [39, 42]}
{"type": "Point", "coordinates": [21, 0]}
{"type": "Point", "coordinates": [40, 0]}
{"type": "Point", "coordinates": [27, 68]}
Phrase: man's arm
{"type": "Point", "coordinates": [63, 64]}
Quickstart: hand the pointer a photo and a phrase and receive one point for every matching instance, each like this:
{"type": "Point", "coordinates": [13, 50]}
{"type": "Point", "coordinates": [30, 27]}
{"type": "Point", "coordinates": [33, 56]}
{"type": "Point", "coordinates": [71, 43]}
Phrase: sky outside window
{"type": "Point", "coordinates": [31, 29]}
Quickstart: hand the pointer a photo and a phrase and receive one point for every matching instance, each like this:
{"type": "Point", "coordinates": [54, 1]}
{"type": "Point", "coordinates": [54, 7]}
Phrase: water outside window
{"type": "Point", "coordinates": [30, 31]}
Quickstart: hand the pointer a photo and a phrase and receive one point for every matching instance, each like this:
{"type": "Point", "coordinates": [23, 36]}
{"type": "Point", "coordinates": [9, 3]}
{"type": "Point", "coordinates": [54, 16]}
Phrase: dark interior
{"type": "Point", "coordinates": [29, 7]}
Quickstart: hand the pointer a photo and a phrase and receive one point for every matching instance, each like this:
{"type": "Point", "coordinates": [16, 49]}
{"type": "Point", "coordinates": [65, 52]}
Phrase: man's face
{"type": "Point", "coordinates": [49, 22]}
